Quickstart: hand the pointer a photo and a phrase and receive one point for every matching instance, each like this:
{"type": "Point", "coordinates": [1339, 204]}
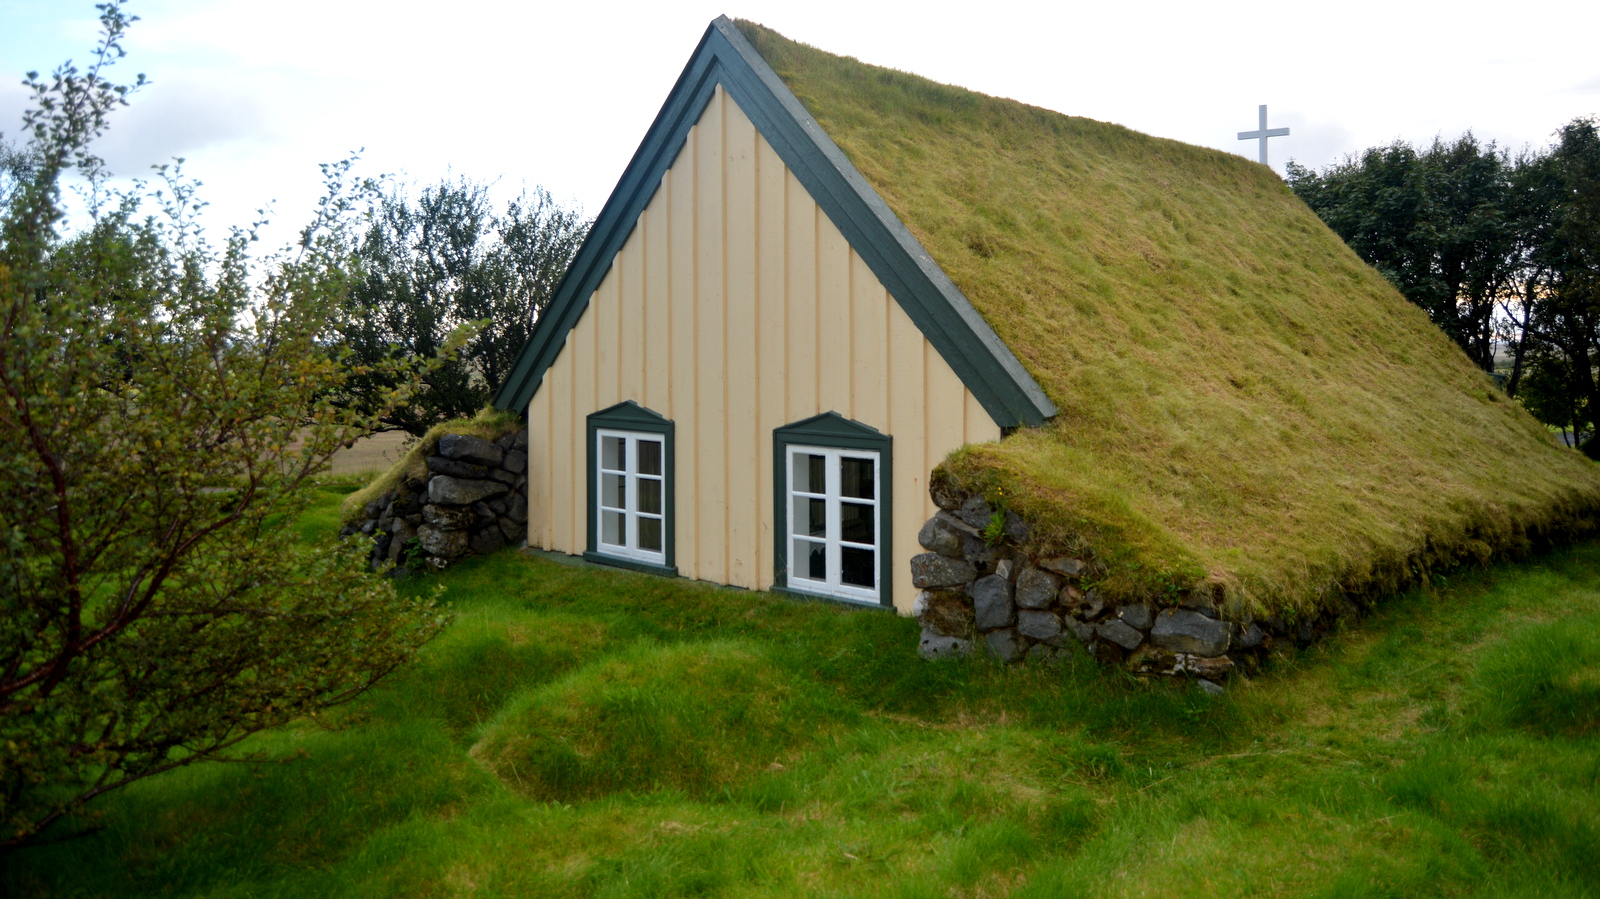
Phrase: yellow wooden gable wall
{"type": "Point", "coordinates": [735, 307]}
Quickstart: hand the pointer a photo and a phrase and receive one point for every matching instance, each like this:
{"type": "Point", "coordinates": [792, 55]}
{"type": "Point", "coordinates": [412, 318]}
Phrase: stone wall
{"type": "Point", "coordinates": [472, 501]}
{"type": "Point", "coordinates": [993, 596]}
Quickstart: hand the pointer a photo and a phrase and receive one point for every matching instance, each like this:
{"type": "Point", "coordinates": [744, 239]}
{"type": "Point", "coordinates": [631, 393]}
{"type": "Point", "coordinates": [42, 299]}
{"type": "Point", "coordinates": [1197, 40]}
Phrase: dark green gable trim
{"type": "Point", "coordinates": [630, 416]}
{"type": "Point", "coordinates": [944, 315]}
{"type": "Point", "coordinates": [834, 431]}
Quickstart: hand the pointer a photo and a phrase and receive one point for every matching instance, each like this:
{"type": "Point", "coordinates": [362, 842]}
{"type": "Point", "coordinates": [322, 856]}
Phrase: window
{"type": "Point", "coordinates": [833, 501]}
{"type": "Point", "coordinates": [630, 489]}
{"type": "Point", "coordinates": [631, 508]}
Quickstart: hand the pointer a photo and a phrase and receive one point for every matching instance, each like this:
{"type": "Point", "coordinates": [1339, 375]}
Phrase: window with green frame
{"type": "Point", "coordinates": [832, 496]}
{"type": "Point", "coordinates": [631, 496]}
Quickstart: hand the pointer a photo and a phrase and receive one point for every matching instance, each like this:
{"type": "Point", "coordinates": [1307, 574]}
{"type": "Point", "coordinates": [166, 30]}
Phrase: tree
{"type": "Point", "coordinates": [1565, 264]}
{"type": "Point", "coordinates": [1437, 223]}
{"type": "Point", "coordinates": [163, 408]}
{"type": "Point", "coordinates": [444, 260]}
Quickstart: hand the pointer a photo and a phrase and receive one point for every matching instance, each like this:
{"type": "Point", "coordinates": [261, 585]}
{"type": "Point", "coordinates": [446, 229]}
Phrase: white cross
{"type": "Point", "coordinates": [1263, 133]}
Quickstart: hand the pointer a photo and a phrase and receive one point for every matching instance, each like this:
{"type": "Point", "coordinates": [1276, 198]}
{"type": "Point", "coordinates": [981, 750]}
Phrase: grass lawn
{"type": "Point", "coordinates": [584, 732]}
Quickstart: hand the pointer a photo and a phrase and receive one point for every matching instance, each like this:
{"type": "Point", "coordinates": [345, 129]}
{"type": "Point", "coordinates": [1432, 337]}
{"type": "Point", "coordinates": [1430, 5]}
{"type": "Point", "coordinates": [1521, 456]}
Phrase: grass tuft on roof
{"type": "Point", "coordinates": [1245, 406]}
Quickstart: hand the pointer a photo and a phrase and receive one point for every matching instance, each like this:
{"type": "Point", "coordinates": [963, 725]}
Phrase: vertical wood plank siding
{"type": "Point", "coordinates": [734, 308]}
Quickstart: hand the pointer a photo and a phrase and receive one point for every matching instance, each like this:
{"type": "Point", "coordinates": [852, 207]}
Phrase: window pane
{"type": "Point", "coordinates": [810, 517]}
{"type": "Point", "coordinates": [856, 567]}
{"type": "Point", "coordinates": [855, 478]}
{"type": "Point", "coordinates": [612, 528]}
{"type": "Point", "coordinates": [809, 476]}
{"type": "Point", "coordinates": [650, 534]}
{"type": "Point", "coordinates": [855, 524]}
{"type": "Point", "coordinates": [816, 555]}
{"type": "Point", "coordinates": [649, 456]}
{"type": "Point", "coordinates": [650, 496]}
{"type": "Point", "coordinates": [614, 491]}
{"type": "Point", "coordinates": [613, 452]}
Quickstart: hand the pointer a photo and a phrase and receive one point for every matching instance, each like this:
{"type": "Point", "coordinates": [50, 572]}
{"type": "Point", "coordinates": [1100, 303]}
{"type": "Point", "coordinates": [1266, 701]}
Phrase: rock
{"type": "Point", "coordinates": [441, 465]}
{"type": "Point", "coordinates": [368, 526]}
{"type": "Point", "coordinates": [519, 440]}
{"type": "Point", "coordinates": [380, 547]}
{"type": "Point", "coordinates": [1090, 606]}
{"type": "Point", "coordinates": [1038, 625]}
{"type": "Point", "coordinates": [1137, 616]}
{"type": "Point", "coordinates": [1152, 660]}
{"type": "Point", "coordinates": [450, 491]}
{"type": "Point", "coordinates": [515, 461]}
{"type": "Point", "coordinates": [1084, 632]}
{"type": "Point", "coordinates": [974, 550]}
{"type": "Point", "coordinates": [517, 508]}
{"type": "Point", "coordinates": [1305, 634]}
{"type": "Point", "coordinates": [976, 512]}
{"type": "Point", "coordinates": [1248, 636]}
{"type": "Point", "coordinates": [414, 520]}
{"type": "Point", "coordinates": [1120, 633]}
{"type": "Point", "coordinates": [944, 612]}
{"type": "Point", "coordinates": [1201, 600]}
{"type": "Point", "coordinates": [1045, 656]}
{"type": "Point", "coordinates": [1003, 646]}
{"type": "Point", "coordinates": [939, 646]}
{"type": "Point", "coordinates": [487, 541]}
{"type": "Point", "coordinates": [991, 603]}
{"type": "Point", "coordinates": [1211, 688]}
{"type": "Point", "coordinates": [944, 494]}
{"type": "Point", "coordinates": [485, 514]}
{"type": "Point", "coordinates": [514, 533]}
{"type": "Point", "coordinates": [410, 502]}
{"type": "Point", "coordinates": [957, 523]}
{"type": "Point", "coordinates": [1107, 653]}
{"type": "Point", "coordinates": [443, 544]}
{"type": "Point", "coordinates": [934, 570]}
{"type": "Point", "coordinates": [499, 504]}
{"type": "Point", "coordinates": [1037, 589]}
{"type": "Point", "coordinates": [1185, 630]}
{"type": "Point", "coordinates": [1064, 566]}
{"type": "Point", "coordinates": [1003, 568]}
{"type": "Point", "coordinates": [505, 441]}
{"type": "Point", "coordinates": [938, 536]}
{"type": "Point", "coordinates": [448, 518]}
{"type": "Point", "coordinates": [372, 509]}
{"type": "Point", "coordinates": [1203, 666]}
{"type": "Point", "coordinates": [469, 449]}
{"type": "Point", "coordinates": [386, 519]}
{"type": "Point", "coordinates": [403, 534]}
{"type": "Point", "coordinates": [506, 477]}
{"type": "Point", "coordinates": [1016, 528]}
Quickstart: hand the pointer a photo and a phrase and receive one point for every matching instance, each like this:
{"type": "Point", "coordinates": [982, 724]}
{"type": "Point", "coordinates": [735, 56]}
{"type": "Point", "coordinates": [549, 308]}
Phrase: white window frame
{"type": "Point", "coordinates": [832, 585]}
{"type": "Point", "coordinates": [631, 479]}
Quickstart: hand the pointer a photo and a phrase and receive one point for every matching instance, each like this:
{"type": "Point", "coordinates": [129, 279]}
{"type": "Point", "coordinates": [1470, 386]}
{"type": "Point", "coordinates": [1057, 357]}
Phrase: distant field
{"type": "Point", "coordinates": [592, 733]}
{"type": "Point", "coordinates": [375, 453]}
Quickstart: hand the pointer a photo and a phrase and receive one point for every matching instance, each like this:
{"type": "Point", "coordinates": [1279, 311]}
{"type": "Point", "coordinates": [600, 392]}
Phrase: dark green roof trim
{"type": "Point", "coordinates": [944, 315]}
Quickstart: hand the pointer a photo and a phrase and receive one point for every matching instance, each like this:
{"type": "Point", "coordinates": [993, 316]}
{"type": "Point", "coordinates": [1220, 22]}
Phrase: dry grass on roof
{"type": "Point", "coordinates": [1243, 401]}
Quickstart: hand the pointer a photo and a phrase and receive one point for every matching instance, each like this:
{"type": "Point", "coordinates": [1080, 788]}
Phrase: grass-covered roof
{"type": "Point", "coordinates": [1243, 402]}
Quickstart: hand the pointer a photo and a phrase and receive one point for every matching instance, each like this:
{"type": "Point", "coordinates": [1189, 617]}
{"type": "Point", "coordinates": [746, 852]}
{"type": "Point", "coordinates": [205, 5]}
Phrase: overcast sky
{"type": "Point", "coordinates": [255, 94]}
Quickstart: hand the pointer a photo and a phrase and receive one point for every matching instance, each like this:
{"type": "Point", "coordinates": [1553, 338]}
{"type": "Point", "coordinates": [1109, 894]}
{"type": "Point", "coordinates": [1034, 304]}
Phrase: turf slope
{"type": "Point", "coordinates": [1246, 406]}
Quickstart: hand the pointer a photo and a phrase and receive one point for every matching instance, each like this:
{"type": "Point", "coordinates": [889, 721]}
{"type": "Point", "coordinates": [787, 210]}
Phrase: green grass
{"type": "Point", "coordinates": [1244, 404]}
{"type": "Point", "coordinates": [593, 733]}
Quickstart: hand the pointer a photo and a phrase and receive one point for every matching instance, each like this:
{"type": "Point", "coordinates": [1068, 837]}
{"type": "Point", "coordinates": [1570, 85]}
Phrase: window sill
{"type": "Point", "coordinates": [631, 564]}
{"type": "Point", "coordinates": [872, 604]}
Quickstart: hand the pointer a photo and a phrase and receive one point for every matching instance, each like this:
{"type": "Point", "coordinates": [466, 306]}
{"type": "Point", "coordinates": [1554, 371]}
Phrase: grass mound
{"type": "Point", "coordinates": [489, 424]}
{"type": "Point", "coordinates": [1243, 402]}
{"type": "Point", "coordinates": [1385, 761]}
{"type": "Point", "coordinates": [693, 717]}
